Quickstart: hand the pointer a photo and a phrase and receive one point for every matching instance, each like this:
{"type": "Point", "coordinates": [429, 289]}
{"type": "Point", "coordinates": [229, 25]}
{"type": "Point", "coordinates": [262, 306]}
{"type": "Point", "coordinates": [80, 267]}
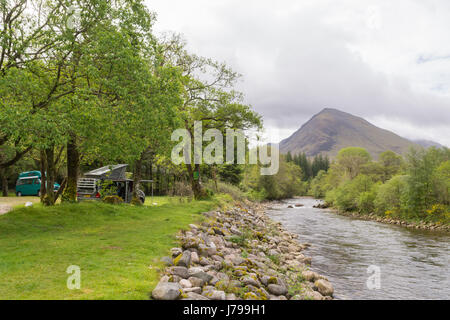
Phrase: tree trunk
{"type": "Point", "coordinates": [199, 192]}
{"type": "Point", "coordinates": [214, 176]}
{"type": "Point", "coordinates": [73, 168]}
{"type": "Point", "coordinates": [4, 181]}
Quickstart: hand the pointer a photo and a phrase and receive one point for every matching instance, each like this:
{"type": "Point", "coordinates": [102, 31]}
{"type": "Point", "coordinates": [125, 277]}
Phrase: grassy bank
{"type": "Point", "coordinates": [116, 247]}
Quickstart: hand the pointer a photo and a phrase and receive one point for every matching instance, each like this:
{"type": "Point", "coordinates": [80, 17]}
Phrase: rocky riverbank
{"type": "Point", "coordinates": [407, 224]}
{"type": "Point", "coordinates": [239, 254]}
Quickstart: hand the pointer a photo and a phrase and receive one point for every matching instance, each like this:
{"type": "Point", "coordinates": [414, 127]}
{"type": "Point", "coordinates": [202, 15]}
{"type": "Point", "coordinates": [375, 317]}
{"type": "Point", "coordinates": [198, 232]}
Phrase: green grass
{"type": "Point", "coordinates": [117, 248]}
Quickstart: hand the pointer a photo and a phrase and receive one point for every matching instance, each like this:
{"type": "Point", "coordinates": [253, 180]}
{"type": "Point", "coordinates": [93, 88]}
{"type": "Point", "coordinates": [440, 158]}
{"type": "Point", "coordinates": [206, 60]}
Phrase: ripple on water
{"type": "Point", "coordinates": [414, 263]}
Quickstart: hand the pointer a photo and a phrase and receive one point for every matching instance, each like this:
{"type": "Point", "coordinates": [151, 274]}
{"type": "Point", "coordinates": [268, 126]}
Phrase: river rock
{"type": "Point", "coordinates": [183, 260]}
{"type": "Point", "coordinates": [203, 275]}
{"type": "Point", "coordinates": [277, 289]}
{"type": "Point", "coordinates": [194, 296]}
{"type": "Point", "coordinates": [315, 295]}
{"type": "Point", "coordinates": [248, 280]}
{"type": "Point", "coordinates": [215, 295]}
{"type": "Point", "coordinates": [196, 282]}
{"type": "Point", "coordinates": [193, 289]}
{"type": "Point", "coordinates": [324, 287]}
{"type": "Point", "coordinates": [185, 283]}
{"type": "Point", "coordinates": [310, 275]}
{"type": "Point", "coordinates": [194, 257]}
{"type": "Point", "coordinates": [166, 291]}
{"type": "Point", "coordinates": [176, 251]}
{"type": "Point", "coordinates": [182, 272]}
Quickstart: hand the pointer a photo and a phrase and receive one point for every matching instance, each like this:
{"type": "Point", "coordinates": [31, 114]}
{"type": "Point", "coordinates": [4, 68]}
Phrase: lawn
{"type": "Point", "coordinates": [116, 247]}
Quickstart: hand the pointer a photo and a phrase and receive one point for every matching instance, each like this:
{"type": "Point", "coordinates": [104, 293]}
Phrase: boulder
{"type": "Point", "coordinates": [167, 291]}
{"type": "Point", "coordinates": [193, 289]}
{"type": "Point", "coordinates": [194, 296]}
{"type": "Point", "coordinates": [183, 259]}
{"type": "Point", "coordinates": [324, 287]}
{"type": "Point", "coordinates": [185, 283]}
{"type": "Point", "coordinates": [182, 272]}
{"type": "Point", "coordinates": [194, 257]}
{"type": "Point", "coordinates": [215, 295]}
{"type": "Point", "coordinates": [176, 251]}
{"type": "Point", "coordinates": [247, 280]}
{"type": "Point", "coordinates": [277, 289]}
{"type": "Point", "coordinates": [196, 282]}
{"type": "Point", "coordinates": [310, 275]}
{"type": "Point", "coordinates": [203, 275]}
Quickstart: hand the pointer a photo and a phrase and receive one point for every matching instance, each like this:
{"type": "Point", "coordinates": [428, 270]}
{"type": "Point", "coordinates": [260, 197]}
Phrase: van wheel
{"type": "Point", "coordinates": [19, 194]}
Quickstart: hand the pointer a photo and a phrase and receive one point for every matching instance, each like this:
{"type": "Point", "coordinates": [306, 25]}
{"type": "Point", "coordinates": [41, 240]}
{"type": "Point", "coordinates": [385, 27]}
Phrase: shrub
{"type": "Point", "coordinates": [181, 189]}
{"type": "Point", "coordinates": [226, 188]}
{"type": "Point", "coordinates": [390, 196]}
{"type": "Point", "coordinates": [113, 199]}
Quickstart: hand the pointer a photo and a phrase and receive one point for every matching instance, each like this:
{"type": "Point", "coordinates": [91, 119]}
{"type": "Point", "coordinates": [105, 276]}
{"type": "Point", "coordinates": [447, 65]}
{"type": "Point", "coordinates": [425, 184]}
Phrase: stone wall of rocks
{"type": "Point", "coordinates": [413, 225]}
{"type": "Point", "coordinates": [239, 254]}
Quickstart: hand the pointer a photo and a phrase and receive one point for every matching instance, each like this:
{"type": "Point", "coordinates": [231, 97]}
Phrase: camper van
{"type": "Point", "coordinates": [29, 184]}
{"type": "Point", "coordinates": [89, 187]}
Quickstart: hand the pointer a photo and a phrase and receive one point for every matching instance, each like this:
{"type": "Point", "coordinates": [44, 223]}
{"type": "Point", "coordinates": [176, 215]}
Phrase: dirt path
{"type": "Point", "coordinates": [4, 209]}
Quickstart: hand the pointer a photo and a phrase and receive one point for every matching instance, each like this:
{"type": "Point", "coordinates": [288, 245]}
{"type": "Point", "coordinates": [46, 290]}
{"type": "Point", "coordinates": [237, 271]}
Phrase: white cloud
{"type": "Point", "coordinates": [378, 59]}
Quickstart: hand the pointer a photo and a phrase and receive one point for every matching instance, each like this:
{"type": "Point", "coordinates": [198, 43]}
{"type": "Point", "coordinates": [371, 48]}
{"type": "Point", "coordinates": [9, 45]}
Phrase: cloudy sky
{"type": "Point", "coordinates": [387, 61]}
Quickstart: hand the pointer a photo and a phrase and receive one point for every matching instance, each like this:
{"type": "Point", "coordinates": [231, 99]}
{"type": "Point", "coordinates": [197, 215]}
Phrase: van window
{"type": "Point", "coordinates": [24, 181]}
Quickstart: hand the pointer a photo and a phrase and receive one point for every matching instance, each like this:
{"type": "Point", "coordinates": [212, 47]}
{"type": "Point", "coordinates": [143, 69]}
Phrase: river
{"type": "Point", "coordinates": [412, 264]}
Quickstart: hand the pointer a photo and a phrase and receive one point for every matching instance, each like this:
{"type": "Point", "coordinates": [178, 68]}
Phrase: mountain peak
{"type": "Point", "coordinates": [331, 130]}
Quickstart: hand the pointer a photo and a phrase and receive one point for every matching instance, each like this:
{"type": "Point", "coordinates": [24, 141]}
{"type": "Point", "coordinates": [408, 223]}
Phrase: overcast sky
{"type": "Point", "coordinates": [387, 61]}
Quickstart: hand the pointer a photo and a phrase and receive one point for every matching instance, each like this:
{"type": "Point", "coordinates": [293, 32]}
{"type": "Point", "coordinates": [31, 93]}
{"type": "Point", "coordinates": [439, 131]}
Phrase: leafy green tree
{"type": "Point", "coordinates": [208, 97]}
{"type": "Point", "coordinates": [420, 167]}
{"type": "Point", "coordinates": [392, 164]}
{"type": "Point", "coordinates": [441, 182]}
{"type": "Point", "coordinates": [391, 196]}
{"type": "Point", "coordinates": [352, 159]}
{"type": "Point", "coordinates": [318, 185]}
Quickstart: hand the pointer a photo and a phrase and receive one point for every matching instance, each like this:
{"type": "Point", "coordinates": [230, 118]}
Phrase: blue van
{"type": "Point", "coordinates": [29, 184]}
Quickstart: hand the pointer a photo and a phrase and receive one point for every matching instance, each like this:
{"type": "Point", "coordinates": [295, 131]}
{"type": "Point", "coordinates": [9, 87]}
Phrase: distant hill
{"type": "Point", "coordinates": [428, 143]}
{"type": "Point", "coordinates": [331, 130]}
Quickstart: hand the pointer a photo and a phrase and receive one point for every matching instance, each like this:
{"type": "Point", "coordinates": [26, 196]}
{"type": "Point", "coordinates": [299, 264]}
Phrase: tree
{"type": "Point", "coordinates": [208, 97]}
{"type": "Point", "coordinates": [421, 165]}
{"type": "Point", "coordinates": [391, 195]}
{"type": "Point", "coordinates": [352, 159]}
{"type": "Point", "coordinates": [391, 163]}
{"type": "Point", "coordinates": [441, 182]}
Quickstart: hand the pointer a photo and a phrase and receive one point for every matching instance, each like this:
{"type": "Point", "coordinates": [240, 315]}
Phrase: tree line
{"type": "Point", "coordinates": [410, 187]}
{"type": "Point", "coordinates": [310, 167]}
{"type": "Point", "coordinates": [87, 82]}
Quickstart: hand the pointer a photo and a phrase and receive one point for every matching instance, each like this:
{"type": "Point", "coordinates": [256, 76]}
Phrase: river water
{"type": "Point", "coordinates": [412, 264]}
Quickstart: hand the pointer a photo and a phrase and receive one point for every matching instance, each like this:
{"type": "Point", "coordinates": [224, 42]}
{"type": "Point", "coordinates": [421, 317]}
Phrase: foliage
{"type": "Point", "coordinates": [284, 184]}
{"type": "Point", "coordinates": [106, 188]}
{"type": "Point", "coordinates": [112, 199]}
{"type": "Point", "coordinates": [416, 187]}
{"type": "Point", "coordinates": [352, 159]}
{"type": "Point", "coordinates": [390, 195]}
{"type": "Point", "coordinates": [310, 168]}
{"type": "Point", "coordinates": [227, 188]}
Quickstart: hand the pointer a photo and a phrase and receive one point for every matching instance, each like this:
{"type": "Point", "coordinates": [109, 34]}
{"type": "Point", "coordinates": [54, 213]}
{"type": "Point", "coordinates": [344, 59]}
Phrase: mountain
{"type": "Point", "coordinates": [331, 130]}
{"type": "Point", "coordinates": [428, 143]}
